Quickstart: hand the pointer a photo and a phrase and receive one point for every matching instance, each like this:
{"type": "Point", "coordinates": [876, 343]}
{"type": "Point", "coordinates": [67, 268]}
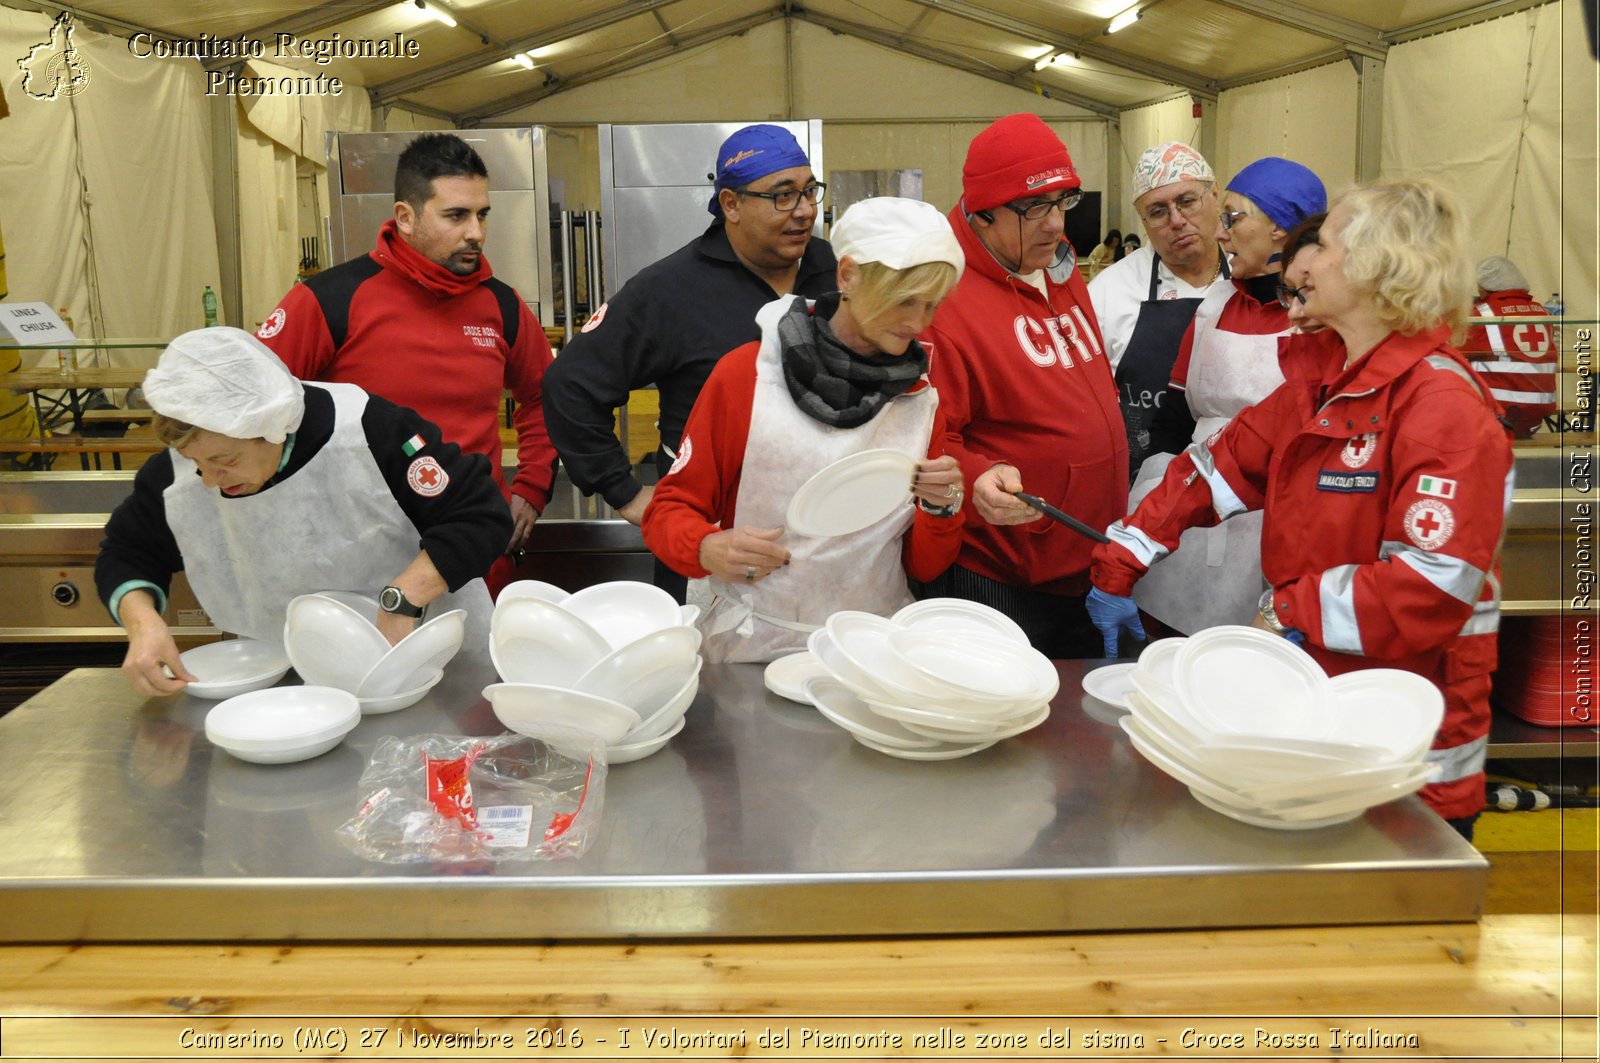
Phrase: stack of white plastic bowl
{"type": "Point", "coordinates": [1258, 732]}
{"type": "Point", "coordinates": [332, 641]}
{"type": "Point", "coordinates": [619, 661]}
{"type": "Point", "coordinates": [941, 679]}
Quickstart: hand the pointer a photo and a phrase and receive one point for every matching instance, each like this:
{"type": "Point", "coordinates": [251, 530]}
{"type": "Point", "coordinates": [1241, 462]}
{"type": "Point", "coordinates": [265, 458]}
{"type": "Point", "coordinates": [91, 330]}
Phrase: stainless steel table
{"type": "Point", "coordinates": [119, 821]}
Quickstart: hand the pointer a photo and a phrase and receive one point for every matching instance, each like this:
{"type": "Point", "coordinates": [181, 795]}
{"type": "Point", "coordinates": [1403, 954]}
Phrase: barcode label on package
{"type": "Point", "coordinates": [506, 826]}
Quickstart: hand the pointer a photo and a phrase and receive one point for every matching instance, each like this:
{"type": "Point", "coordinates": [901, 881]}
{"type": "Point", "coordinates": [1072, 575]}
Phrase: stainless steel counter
{"type": "Point", "coordinates": [118, 821]}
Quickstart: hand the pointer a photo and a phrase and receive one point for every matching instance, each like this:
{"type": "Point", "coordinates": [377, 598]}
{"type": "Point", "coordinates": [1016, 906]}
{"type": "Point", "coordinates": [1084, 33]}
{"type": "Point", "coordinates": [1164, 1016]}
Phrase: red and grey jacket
{"type": "Point", "coordinates": [1385, 487]}
{"type": "Point", "coordinates": [1517, 362]}
{"type": "Point", "coordinates": [1023, 380]}
{"type": "Point", "coordinates": [400, 326]}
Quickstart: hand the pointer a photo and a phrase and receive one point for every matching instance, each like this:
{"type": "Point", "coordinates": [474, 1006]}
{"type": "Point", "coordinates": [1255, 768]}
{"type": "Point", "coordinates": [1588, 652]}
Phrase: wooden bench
{"type": "Point", "coordinates": [117, 415]}
{"type": "Point", "coordinates": [86, 447]}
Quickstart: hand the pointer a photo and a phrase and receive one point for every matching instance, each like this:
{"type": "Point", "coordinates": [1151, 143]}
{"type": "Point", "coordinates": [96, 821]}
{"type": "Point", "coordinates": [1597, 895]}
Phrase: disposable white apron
{"type": "Point", "coordinates": [333, 525]}
{"type": "Point", "coordinates": [764, 620]}
{"type": "Point", "coordinates": [1214, 577]}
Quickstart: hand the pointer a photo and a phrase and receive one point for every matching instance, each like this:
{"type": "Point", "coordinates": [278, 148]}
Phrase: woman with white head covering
{"type": "Point", "coordinates": [272, 488]}
{"type": "Point", "coordinates": [827, 380]}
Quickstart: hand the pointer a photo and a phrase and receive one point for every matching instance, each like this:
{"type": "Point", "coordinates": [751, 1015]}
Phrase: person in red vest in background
{"type": "Point", "coordinates": [1517, 362]}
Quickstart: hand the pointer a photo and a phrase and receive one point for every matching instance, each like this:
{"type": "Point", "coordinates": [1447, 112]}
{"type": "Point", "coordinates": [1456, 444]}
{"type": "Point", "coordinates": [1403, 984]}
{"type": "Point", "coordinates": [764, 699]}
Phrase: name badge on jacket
{"type": "Point", "coordinates": [1347, 482]}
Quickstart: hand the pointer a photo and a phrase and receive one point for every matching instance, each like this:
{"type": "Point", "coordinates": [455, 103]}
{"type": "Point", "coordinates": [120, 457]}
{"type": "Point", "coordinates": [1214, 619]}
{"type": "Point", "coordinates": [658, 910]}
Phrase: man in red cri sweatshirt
{"type": "Point", "coordinates": [1026, 390]}
{"type": "Point", "coordinates": [422, 321]}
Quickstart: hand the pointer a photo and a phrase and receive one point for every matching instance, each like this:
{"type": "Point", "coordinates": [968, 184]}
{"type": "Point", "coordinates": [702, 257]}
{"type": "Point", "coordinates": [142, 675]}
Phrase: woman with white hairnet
{"type": "Point", "coordinates": [272, 489]}
{"type": "Point", "coordinates": [828, 379]}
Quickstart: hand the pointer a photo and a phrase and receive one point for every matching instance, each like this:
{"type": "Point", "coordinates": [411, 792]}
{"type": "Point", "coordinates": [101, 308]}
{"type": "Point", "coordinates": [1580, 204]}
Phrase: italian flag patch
{"type": "Point", "coordinates": [1437, 486]}
{"type": "Point", "coordinates": [414, 444]}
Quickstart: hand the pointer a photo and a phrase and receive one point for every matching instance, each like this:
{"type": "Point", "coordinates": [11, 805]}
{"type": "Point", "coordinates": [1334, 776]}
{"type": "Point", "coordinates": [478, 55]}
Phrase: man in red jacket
{"type": "Point", "coordinates": [421, 321]}
{"type": "Point", "coordinates": [1518, 362]}
{"type": "Point", "coordinates": [1026, 391]}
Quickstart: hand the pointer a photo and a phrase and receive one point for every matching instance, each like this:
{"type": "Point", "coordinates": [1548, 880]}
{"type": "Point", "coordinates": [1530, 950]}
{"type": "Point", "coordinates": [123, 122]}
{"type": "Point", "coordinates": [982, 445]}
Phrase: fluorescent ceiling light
{"type": "Point", "coordinates": [435, 13]}
{"type": "Point", "coordinates": [1055, 59]}
{"type": "Point", "coordinates": [524, 60]}
{"type": "Point", "coordinates": [1124, 20]}
{"type": "Point", "coordinates": [1044, 60]}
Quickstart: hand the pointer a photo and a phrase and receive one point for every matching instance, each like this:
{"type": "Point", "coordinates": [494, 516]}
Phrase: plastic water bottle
{"type": "Point", "coordinates": [67, 356]}
{"type": "Point", "coordinates": [209, 302]}
{"type": "Point", "coordinates": [1555, 308]}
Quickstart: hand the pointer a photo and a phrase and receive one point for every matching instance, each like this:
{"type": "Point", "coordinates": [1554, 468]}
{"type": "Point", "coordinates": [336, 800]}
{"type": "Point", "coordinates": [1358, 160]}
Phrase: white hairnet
{"type": "Point", "coordinates": [1497, 273]}
{"type": "Point", "coordinates": [226, 381]}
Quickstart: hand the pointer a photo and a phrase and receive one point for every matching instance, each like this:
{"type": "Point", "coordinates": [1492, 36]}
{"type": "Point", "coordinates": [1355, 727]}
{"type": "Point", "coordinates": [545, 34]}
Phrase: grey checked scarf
{"type": "Point", "coordinates": [828, 380]}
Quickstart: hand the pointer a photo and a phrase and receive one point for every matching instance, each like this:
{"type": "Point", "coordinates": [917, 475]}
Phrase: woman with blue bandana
{"type": "Point", "coordinates": [1227, 360]}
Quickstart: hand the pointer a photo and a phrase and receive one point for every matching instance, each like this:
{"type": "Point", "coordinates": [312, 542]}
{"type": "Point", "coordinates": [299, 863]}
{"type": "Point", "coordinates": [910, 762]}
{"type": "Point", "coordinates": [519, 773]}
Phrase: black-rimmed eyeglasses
{"type": "Point", "coordinates": [789, 199]}
{"type": "Point", "coordinates": [1040, 207]}
{"type": "Point", "coordinates": [1287, 296]}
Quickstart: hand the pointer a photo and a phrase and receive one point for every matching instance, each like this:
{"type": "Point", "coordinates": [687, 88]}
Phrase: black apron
{"type": "Point", "coordinates": [1145, 372]}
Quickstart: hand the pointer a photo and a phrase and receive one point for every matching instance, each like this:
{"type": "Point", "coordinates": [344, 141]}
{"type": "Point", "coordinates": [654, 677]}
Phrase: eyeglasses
{"type": "Point", "coordinates": [1229, 217]}
{"type": "Point", "coordinates": [1040, 207]}
{"type": "Point", "coordinates": [1287, 296]}
{"type": "Point", "coordinates": [789, 199]}
{"type": "Point", "coordinates": [1188, 205]}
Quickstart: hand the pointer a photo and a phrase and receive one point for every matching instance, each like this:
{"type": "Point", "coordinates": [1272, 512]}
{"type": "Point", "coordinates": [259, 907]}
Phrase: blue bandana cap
{"type": "Point", "coordinates": [749, 155]}
{"type": "Point", "coordinates": [1285, 191]}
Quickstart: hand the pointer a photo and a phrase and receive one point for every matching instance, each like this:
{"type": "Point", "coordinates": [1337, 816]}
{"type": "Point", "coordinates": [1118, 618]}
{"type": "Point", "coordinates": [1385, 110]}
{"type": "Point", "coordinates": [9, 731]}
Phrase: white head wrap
{"type": "Point", "coordinates": [1167, 164]}
{"type": "Point", "coordinates": [900, 233]}
{"type": "Point", "coordinates": [1497, 273]}
{"type": "Point", "coordinates": [226, 381]}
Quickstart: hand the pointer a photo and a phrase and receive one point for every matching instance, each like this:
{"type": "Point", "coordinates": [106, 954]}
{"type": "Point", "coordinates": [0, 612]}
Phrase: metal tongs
{"type": "Point", "coordinates": [1062, 518]}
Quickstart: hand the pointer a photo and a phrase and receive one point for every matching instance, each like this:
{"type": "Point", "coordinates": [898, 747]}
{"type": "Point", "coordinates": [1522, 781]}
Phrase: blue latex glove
{"type": "Point", "coordinates": [1113, 614]}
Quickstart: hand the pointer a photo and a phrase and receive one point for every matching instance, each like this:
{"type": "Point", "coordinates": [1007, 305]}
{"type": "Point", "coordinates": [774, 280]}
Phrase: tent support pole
{"type": "Point", "coordinates": [225, 205]}
{"type": "Point", "coordinates": [1369, 115]}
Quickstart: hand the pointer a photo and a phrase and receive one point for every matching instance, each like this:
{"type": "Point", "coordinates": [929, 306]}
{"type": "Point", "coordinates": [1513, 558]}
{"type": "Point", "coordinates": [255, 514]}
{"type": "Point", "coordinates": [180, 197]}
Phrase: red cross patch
{"type": "Point", "coordinates": [1358, 451]}
{"type": "Point", "coordinates": [273, 324]}
{"type": "Point", "coordinates": [595, 319]}
{"type": "Point", "coordinates": [1532, 340]}
{"type": "Point", "coordinates": [685, 449]}
{"type": "Point", "coordinates": [1429, 523]}
{"type": "Point", "coordinates": [426, 477]}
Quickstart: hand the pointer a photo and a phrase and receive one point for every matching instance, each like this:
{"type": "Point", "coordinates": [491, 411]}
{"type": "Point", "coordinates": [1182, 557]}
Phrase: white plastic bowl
{"type": "Point", "coordinates": [663, 718]}
{"type": "Point", "coordinates": [646, 673]}
{"type": "Point", "coordinates": [533, 641]}
{"type": "Point", "coordinates": [532, 588]}
{"type": "Point", "coordinates": [624, 611]}
{"type": "Point", "coordinates": [836, 701]}
{"type": "Point", "coordinates": [329, 643]}
{"type": "Point", "coordinates": [631, 749]}
{"type": "Point", "coordinates": [862, 639]}
{"type": "Point", "coordinates": [979, 668]}
{"type": "Point", "coordinates": [959, 615]}
{"type": "Point", "coordinates": [537, 711]}
{"type": "Point", "coordinates": [283, 724]}
{"type": "Point", "coordinates": [420, 654]}
{"type": "Point", "coordinates": [1397, 710]}
{"type": "Point", "coordinates": [403, 700]}
{"type": "Point", "coordinates": [1245, 681]}
{"type": "Point", "coordinates": [234, 666]}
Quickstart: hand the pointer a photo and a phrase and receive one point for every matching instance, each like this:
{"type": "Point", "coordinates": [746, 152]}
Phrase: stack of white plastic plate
{"type": "Point", "coordinates": [1258, 732]}
{"type": "Point", "coordinates": [570, 661]}
{"type": "Point", "coordinates": [941, 679]}
{"type": "Point", "coordinates": [332, 641]}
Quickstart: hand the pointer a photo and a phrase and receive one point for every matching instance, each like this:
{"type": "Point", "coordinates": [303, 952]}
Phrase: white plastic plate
{"type": "Point", "coordinates": [853, 493]}
{"type": "Point", "coordinates": [234, 666]}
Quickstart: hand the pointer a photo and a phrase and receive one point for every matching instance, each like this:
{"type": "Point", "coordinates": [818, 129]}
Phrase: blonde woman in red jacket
{"type": "Point", "coordinates": [1383, 471]}
{"type": "Point", "coordinates": [828, 379]}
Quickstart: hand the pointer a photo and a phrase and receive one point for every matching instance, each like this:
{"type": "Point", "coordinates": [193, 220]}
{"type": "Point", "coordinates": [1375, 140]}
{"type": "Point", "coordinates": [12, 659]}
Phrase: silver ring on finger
{"type": "Point", "coordinates": [750, 573]}
{"type": "Point", "coordinates": [950, 491]}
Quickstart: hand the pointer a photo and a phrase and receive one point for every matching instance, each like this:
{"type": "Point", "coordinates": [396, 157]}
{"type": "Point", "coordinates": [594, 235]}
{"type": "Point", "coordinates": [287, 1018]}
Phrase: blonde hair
{"type": "Point", "coordinates": [172, 432]}
{"type": "Point", "coordinates": [878, 287]}
{"type": "Point", "coordinates": [1405, 243]}
{"type": "Point", "coordinates": [1250, 207]}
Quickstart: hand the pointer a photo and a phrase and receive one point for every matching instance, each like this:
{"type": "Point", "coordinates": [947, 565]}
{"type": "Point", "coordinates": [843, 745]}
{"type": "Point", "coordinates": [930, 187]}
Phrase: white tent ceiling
{"type": "Point", "coordinates": [467, 75]}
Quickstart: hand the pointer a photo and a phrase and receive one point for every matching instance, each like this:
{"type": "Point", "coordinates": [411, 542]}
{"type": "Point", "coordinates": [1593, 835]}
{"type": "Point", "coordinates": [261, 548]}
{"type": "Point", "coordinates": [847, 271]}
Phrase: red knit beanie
{"type": "Point", "coordinates": [1016, 157]}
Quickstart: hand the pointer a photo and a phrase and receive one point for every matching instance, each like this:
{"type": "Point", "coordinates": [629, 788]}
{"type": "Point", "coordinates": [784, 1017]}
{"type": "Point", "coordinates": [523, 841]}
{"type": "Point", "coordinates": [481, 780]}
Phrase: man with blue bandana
{"type": "Point", "coordinates": [672, 321]}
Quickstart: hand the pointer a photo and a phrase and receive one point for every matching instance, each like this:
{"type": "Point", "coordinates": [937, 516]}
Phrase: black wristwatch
{"type": "Point", "coordinates": [393, 600]}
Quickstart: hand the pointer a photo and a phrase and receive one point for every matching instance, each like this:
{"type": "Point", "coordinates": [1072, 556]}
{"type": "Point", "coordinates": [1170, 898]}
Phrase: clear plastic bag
{"type": "Point", "coordinates": [444, 798]}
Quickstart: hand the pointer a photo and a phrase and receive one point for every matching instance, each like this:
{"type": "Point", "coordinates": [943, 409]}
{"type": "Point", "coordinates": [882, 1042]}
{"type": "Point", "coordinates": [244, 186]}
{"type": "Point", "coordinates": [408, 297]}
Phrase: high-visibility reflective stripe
{"type": "Point", "coordinates": [1140, 545]}
{"type": "Point", "coordinates": [1458, 762]}
{"type": "Point", "coordinates": [1528, 397]}
{"type": "Point", "coordinates": [1337, 591]}
{"type": "Point", "coordinates": [1223, 499]}
{"type": "Point", "coordinates": [1453, 576]}
{"type": "Point", "coordinates": [1485, 618]}
{"type": "Point", "coordinates": [1510, 366]}
{"type": "Point", "coordinates": [1439, 361]}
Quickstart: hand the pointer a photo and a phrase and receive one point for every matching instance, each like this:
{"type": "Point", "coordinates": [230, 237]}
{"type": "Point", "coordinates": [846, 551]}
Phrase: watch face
{"type": "Point", "coordinates": [389, 600]}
